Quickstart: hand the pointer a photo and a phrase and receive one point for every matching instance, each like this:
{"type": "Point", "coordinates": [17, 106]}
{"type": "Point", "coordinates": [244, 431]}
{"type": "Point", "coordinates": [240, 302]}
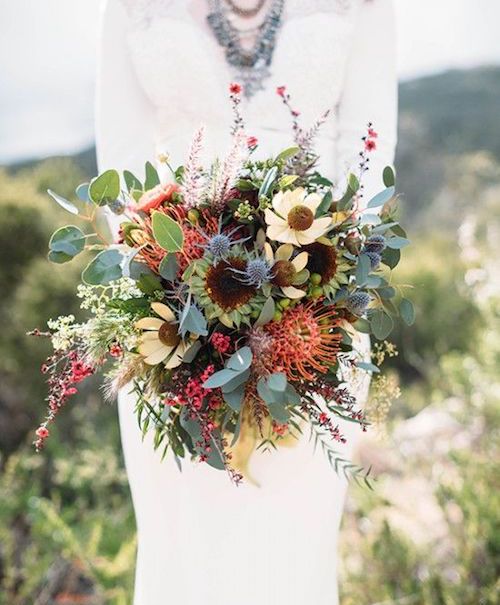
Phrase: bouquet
{"type": "Point", "coordinates": [232, 297]}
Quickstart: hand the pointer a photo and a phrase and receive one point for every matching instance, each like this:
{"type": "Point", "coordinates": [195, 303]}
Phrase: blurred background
{"type": "Point", "coordinates": [428, 534]}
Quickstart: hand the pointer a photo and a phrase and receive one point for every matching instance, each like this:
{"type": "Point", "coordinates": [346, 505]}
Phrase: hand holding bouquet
{"type": "Point", "coordinates": [232, 297]}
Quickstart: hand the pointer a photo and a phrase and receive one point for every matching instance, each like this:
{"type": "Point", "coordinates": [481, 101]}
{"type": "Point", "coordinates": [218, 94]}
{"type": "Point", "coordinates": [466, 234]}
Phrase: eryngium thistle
{"type": "Point", "coordinates": [257, 272]}
{"type": "Point", "coordinates": [375, 259]}
{"type": "Point", "coordinates": [357, 302]}
{"type": "Point", "coordinates": [375, 243]}
{"type": "Point", "coordinates": [219, 245]}
{"type": "Point", "coordinates": [117, 206]}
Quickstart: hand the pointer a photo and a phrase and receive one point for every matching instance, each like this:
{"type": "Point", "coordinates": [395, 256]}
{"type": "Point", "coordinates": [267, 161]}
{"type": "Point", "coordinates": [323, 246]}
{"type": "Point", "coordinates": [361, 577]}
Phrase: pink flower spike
{"type": "Point", "coordinates": [281, 91]}
{"type": "Point", "coordinates": [235, 88]}
{"type": "Point", "coordinates": [42, 432]}
{"type": "Point", "coordinates": [370, 145]}
{"type": "Point", "coordinates": [252, 142]}
{"type": "Point", "coordinates": [372, 133]}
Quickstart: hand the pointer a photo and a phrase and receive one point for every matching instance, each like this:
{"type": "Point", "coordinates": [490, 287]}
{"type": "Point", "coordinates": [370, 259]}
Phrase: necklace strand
{"type": "Point", "coordinates": [251, 65]}
{"type": "Point", "coordinates": [246, 13]}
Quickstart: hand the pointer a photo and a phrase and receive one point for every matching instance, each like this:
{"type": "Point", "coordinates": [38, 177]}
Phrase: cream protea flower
{"type": "Point", "coordinates": [161, 341]}
{"type": "Point", "coordinates": [288, 273]}
{"type": "Point", "coordinates": [292, 221]}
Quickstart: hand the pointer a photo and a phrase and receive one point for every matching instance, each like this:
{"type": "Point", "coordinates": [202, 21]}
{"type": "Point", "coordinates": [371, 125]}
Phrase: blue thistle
{"type": "Point", "coordinates": [257, 272]}
{"type": "Point", "coordinates": [117, 206]}
{"type": "Point", "coordinates": [375, 243]}
{"type": "Point", "coordinates": [219, 245]}
{"type": "Point", "coordinates": [375, 259]}
{"type": "Point", "coordinates": [357, 302]}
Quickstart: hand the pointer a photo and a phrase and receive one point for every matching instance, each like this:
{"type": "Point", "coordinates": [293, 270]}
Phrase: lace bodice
{"type": "Point", "coordinates": [170, 75]}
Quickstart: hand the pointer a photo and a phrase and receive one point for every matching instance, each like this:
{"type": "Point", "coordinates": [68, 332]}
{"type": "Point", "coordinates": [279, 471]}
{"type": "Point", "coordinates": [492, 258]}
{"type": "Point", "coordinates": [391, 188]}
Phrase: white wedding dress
{"type": "Point", "coordinates": [202, 541]}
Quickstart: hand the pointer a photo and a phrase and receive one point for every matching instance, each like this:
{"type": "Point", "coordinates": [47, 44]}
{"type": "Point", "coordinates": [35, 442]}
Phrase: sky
{"type": "Point", "coordinates": [47, 63]}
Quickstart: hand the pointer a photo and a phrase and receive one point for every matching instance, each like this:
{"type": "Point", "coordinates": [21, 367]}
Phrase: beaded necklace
{"type": "Point", "coordinates": [251, 66]}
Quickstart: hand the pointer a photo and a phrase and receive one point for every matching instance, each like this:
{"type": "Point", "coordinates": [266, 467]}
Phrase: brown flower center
{"type": "Point", "coordinates": [322, 260]}
{"type": "Point", "coordinates": [224, 287]}
{"type": "Point", "coordinates": [300, 218]}
{"type": "Point", "coordinates": [168, 335]}
{"type": "Point", "coordinates": [283, 273]}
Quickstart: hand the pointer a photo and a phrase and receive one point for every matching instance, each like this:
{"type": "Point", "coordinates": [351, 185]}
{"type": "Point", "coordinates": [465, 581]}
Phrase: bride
{"type": "Point", "coordinates": [165, 66]}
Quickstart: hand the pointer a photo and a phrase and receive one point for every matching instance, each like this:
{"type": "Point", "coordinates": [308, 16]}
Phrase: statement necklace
{"type": "Point", "coordinates": [246, 12]}
{"type": "Point", "coordinates": [252, 65]}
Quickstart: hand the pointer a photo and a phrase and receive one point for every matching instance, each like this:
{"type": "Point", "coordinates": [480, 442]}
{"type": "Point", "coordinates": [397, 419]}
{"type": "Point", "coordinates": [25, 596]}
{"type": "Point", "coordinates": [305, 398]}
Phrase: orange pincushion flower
{"type": "Point", "coordinates": [194, 240]}
{"type": "Point", "coordinates": [305, 340]}
{"type": "Point", "coordinates": [152, 253]}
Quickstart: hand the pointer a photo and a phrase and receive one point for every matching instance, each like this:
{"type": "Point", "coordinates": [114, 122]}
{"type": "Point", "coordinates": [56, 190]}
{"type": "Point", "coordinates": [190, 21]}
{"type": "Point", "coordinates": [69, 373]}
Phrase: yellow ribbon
{"type": "Point", "coordinates": [248, 439]}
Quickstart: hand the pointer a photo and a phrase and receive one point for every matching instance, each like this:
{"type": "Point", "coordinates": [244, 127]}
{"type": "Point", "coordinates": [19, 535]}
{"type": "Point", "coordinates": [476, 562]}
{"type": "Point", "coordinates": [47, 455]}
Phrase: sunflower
{"type": "Point", "coordinates": [219, 290]}
{"type": "Point", "coordinates": [292, 221]}
{"type": "Point", "coordinates": [287, 273]}
{"type": "Point", "coordinates": [161, 341]}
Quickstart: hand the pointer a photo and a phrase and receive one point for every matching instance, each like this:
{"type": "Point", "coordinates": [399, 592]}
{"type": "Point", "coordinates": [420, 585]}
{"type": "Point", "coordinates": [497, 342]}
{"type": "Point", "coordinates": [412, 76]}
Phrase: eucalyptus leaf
{"type": "Point", "coordinates": [325, 204]}
{"type": "Point", "coordinates": [152, 178]}
{"type": "Point", "coordinates": [407, 311]}
{"type": "Point", "coordinates": [167, 232]}
{"type": "Point", "coordinates": [389, 176]}
{"type": "Point", "coordinates": [59, 257]}
{"type": "Point", "coordinates": [277, 382]}
{"type": "Point", "coordinates": [383, 227]}
{"type": "Point", "coordinates": [191, 353]}
{"type": "Point", "coordinates": [63, 202]}
{"type": "Point", "coordinates": [193, 321]}
{"type": "Point", "coordinates": [391, 257]}
{"type": "Point", "coordinates": [239, 379]}
{"type": "Point", "coordinates": [381, 324]}
{"type": "Point", "coordinates": [149, 283]}
{"type": "Point", "coordinates": [169, 267]}
{"type": "Point", "coordinates": [82, 192]}
{"type": "Point", "coordinates": [362, 325]}
{"type": "Point", "coordinates": [370, 219]}
{"type": "Point", "coordinates": [267, 313]}
{"type": "Point", "coordinates": [369, 367]}
{"type": "Point", "coordinates": [240, 360]}
{"type": "Point", "coordinates": [396, 243]}
{"type": "Point", "coordinates": [279, 413]}
{"type": "Point", "coordinates": [387, 292]}
{"type": "Point", "coordinates": [381, 198]}
{"type": "Point", "coordinates": [363, 269]}
{"type": "Point", "coordinates": [219, 379]}
{"type": "Point", "coordinates": [214, 457]}
{"type": "Point", "coordinates": [131, 181]}
{"type": "Point", "coordinates": [105, 188]}
{"type": "Point", "coordinates": [353, 182]}
{"type": "Point", "coordinates": [66, 243]}
{"type": "Point", "coordinates": [105, 267]}
{"type": "Point", "coordinates": [234, 399]}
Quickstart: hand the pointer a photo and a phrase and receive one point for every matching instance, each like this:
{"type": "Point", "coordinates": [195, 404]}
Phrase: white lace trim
{"type": "Point", "coordinates": [145, 10]}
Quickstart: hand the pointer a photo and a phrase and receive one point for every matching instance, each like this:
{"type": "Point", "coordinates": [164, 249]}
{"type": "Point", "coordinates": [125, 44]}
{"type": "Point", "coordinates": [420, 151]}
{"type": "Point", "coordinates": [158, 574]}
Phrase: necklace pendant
{"type": "Point", "coordinates": [251, 66]}
{"type": "Point", "coordinates": [252, 78]}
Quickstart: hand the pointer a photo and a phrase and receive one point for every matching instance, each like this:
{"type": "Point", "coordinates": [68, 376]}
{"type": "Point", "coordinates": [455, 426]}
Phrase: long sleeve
{"type": "Point", "coordinates": [124, 115]}
{"type": "Point", "coordinates": [369, 95]}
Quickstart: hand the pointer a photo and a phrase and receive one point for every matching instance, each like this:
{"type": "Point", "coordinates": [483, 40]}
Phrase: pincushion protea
{"type": "Point", "coordinates": [306, 340]}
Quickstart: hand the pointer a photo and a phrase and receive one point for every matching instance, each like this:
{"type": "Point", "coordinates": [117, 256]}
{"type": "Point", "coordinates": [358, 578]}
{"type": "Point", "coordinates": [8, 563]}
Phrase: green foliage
{"type": "Point", "coordinates": [167, 232]}
{"type": "Point", "coordinates": [70, 505]}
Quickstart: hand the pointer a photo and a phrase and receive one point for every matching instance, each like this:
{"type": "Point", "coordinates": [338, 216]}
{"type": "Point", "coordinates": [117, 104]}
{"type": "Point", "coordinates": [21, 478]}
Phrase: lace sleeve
{"type": "Point", "coordinates": [144, 10]}
{"type": "Point", "coordinates": [369, 94]}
